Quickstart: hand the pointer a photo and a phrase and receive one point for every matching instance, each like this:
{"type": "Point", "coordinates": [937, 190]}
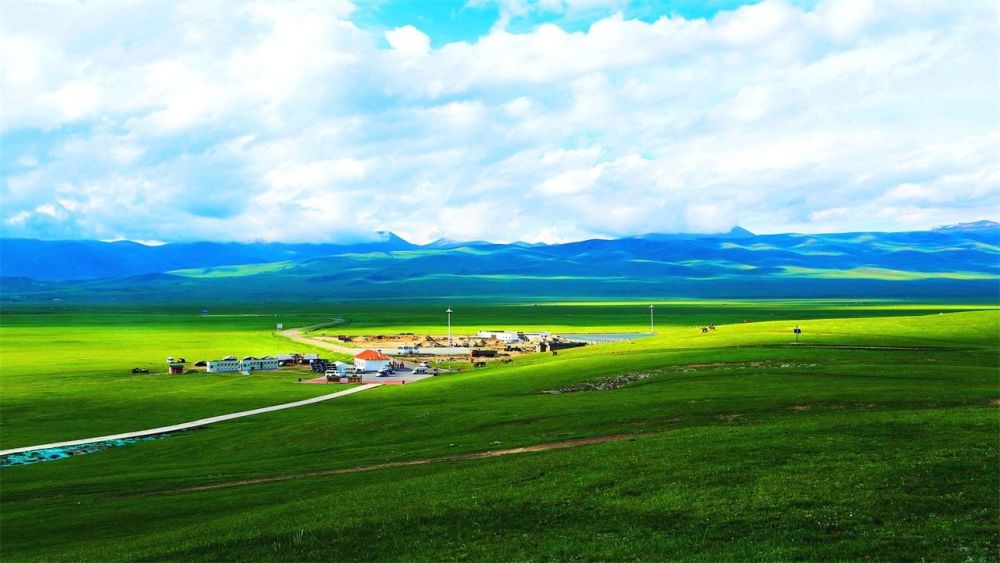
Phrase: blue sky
{"type": "Point", "coordinates": [447, 21]}
{"type": "Point", "coordinates": [539, 120]}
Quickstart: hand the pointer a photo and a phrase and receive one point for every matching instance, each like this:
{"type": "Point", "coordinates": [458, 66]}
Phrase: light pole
{"type": "Point", "coordinates": [449, 325]}
{"type": "Point", "coordinates": [651, 331]}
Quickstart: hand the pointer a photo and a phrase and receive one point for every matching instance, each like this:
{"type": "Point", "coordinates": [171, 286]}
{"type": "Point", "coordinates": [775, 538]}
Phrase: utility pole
{"type": "Point", "coordinates": [449, 325]}
{"type": "Point", "coordinates": [651, 331]}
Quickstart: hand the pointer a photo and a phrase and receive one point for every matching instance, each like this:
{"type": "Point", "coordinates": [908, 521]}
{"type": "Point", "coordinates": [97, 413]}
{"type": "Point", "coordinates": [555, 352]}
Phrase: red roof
{"type": "Point", "coordinates": [371, 355]}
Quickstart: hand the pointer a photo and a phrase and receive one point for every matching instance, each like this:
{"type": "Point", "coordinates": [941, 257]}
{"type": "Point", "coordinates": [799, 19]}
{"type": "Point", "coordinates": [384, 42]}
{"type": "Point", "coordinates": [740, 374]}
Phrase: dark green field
{"type": "Point", "coordinates": [877, 437]}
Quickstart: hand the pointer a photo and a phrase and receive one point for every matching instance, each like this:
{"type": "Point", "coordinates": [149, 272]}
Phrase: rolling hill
{"type": "Point", "coordinates": [955, 261]}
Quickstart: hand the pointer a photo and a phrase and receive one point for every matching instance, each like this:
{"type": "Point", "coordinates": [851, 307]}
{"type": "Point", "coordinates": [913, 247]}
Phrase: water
{"type": "Point", "coordinates": [604, 337]}
{"type": "Point", "coordinates": [53, 454]}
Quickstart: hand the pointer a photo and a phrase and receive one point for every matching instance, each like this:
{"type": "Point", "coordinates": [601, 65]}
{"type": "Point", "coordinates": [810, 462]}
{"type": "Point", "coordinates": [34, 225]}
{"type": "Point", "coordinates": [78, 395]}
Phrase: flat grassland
{"type": "Point", "coordinates": [877, 437]}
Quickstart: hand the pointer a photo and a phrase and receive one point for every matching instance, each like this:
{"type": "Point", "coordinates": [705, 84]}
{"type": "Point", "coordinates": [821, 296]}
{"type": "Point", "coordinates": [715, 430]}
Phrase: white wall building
{"type": "Point", "coordinates": [223, 366]}
{"type": "Point", "coordinates": [501, 335]}
{"type": "Point", "coordinates": [370, 360]}
{"type": "Point", "coordinates": [257, 364]}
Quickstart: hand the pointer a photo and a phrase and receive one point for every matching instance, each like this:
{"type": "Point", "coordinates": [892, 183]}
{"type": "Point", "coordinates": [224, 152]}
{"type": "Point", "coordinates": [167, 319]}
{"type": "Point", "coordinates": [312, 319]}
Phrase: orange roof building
{"type": "Point", "coordinates": [370, 360]}
{"type": "Point", "coordinates": [371, 355]}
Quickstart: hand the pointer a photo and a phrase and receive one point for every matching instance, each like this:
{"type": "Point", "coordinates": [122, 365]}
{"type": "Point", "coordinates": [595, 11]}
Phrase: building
{"type": "Point", "coordinates": [370, 360]}
{"type": "Point", "coordinates": [256, 364]}
{"type": "Point", "coordinates": [501, 335]}
{"type": "Point", "coordinates": [288, 359]}
{"type": "Point", "coordinates": [229, 364]}
{"type": "Point", "coordinates": [248, 364]}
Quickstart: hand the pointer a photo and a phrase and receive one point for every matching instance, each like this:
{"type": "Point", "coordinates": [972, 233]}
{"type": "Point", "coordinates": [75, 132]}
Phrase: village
{"type": "Point", "coordinates": [386, 359]}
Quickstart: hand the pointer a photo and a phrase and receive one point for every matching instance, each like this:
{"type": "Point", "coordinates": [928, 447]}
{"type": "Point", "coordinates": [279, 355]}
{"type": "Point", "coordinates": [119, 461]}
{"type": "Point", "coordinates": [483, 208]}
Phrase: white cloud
{"type": "Point", "coordinates": [408, 40]}
{"type": "Point", "coordinates": [235, 116]}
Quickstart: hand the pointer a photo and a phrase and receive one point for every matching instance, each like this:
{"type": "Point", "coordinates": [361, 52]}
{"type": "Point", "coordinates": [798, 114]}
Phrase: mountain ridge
{"type": "Point", "coordinates": [963, 262]}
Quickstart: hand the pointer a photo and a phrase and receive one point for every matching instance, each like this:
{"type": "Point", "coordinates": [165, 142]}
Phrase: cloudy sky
{"type": "Point", "coordinates": [539, 120]}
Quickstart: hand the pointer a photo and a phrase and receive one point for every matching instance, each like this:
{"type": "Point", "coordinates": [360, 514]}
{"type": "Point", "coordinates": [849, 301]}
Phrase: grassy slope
{"type": "Point", "coordinates": [612, 316]}
{"type": "Point", "coordinates": [68, 375]}
{"type": "Point", "coordinates": [895, 456]}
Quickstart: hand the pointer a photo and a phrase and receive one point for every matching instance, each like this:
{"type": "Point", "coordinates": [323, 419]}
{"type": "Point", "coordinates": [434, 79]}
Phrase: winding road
{"type": "Point", "coordinates": [296, 335]}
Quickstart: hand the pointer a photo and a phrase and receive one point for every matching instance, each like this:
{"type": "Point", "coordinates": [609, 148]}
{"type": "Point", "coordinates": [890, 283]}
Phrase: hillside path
{"type": "Point", "coordinates": [194, 423]}
{"type": "Point", "coordinates": [575, 443]}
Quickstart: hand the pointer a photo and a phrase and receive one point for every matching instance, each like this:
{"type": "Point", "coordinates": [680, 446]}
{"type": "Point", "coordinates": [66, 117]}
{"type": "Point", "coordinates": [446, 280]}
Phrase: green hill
{"type": "Point", "coordinates": [873, 438]}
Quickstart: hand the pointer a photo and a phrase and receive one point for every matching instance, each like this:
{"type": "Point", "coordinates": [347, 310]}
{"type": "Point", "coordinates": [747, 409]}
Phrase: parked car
{"type": "Point", "coordinates": [352, 371]}
{"type": "Point", "coordinates": [419, 370]}
{"type": "Point", "coordinates": [384, 372]}
{"type": "Point", "coordinates": [424, 365]}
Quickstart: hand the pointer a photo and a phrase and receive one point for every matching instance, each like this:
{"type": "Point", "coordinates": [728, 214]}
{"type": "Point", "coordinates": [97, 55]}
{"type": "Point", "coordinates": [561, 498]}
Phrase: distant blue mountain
{"type": "Point", "coordinates": [960, 261]}
{"type": "Point", "coordinates": [88, 259]}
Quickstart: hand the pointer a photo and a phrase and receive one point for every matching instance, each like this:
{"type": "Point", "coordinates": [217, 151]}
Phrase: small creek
{"type": "Point", "coordinates": [53, 454]}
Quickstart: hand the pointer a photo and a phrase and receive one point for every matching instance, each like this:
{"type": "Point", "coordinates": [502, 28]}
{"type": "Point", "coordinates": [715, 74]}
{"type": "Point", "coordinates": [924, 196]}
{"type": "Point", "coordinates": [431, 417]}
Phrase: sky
{"type": "Point", "coordinates": [533, 120]}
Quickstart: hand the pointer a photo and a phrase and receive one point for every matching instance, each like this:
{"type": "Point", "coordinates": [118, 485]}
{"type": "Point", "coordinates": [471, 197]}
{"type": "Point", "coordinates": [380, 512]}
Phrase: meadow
{"type": "Point", "coordinates": [875, 437]}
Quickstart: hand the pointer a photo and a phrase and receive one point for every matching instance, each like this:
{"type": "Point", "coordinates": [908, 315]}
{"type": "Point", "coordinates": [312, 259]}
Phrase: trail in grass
{"type": "Point", "coordinates": [297, 335]}
{"type": "Point", "coordinates": [194, 423]}
{"type": "Point", "coordinates": [575, 443]}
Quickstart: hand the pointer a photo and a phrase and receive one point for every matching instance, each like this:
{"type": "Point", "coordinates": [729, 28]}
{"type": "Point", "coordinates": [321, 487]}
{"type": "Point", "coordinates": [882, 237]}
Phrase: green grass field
{"type": "Point", "coordinates": [876, 437]}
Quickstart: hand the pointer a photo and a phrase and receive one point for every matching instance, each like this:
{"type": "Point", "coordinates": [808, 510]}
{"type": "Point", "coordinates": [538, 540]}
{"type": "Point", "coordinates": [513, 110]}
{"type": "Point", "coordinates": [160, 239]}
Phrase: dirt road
{"type": "Point", "coordinates": [297, 335]}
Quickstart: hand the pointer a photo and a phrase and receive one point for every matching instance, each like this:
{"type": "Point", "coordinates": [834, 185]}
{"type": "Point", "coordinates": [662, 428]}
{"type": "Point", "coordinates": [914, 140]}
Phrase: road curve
{"type": "Point", "coordinates": [194, 423]}
{"type": "Point", "coordinates": [296, 335]}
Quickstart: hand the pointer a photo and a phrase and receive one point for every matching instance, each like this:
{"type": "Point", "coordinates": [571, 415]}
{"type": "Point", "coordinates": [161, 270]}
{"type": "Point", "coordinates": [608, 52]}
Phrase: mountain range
{"type": "Point", "coordinates": [957, 261]}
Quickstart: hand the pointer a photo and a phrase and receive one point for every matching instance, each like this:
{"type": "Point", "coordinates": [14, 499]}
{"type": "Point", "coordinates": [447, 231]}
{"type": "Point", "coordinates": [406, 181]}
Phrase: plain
{"type": "Point", "coordinates": [876, 436]}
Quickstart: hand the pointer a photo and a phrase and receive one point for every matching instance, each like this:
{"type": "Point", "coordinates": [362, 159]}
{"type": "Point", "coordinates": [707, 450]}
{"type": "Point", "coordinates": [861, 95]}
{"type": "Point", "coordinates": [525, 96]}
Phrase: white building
{"type": "Point", "coordinates": [370, 360]}
{"type": "Point", "coordinates": [223, 366]}
{"type": "Point", "coordinates": [501, 335]}
{"type": "Point", "coordinates": [230, 364]}
{"type": "Point", "coordinates": [258, 364]}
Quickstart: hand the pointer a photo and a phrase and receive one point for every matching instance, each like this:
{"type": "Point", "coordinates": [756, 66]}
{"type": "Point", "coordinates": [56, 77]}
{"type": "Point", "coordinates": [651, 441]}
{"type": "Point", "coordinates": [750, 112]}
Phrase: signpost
{"type": "Point", "coordinates": [651, 331]}
{"type": "Point", "coordinates": [797, 332]}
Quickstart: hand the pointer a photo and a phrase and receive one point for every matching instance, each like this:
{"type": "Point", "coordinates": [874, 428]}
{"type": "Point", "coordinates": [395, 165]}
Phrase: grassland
{"type": "Point", "coordinates": [67, 374]}
{"type": "Point", "coordinates": [877, 437]}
